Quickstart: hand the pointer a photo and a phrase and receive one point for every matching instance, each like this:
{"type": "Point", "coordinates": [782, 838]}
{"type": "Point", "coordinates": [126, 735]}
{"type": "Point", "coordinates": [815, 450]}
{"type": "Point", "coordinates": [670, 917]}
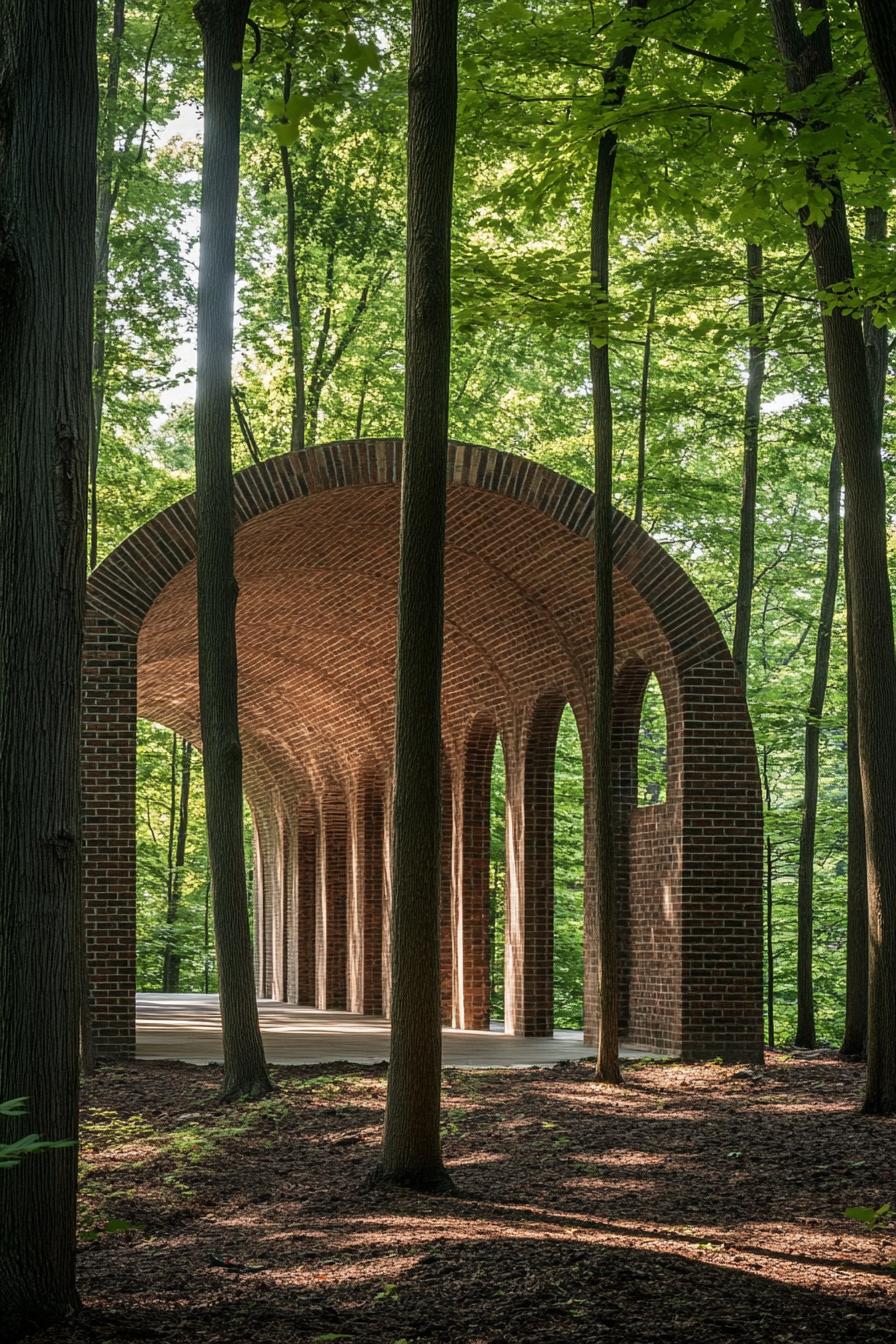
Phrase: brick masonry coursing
{"type": "Point", "coordinates": [316, 561]}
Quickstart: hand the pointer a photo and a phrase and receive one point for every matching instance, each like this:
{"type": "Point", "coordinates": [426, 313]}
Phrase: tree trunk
{"type": "Point", "coordinates": [411, 1153]}
{"type": "Point", "coordinates": [855, 1030]}
{"type": "Point", "coordinates": [855, 1027]}
{"type": "Point", "coordinates": [805, 1020]}
{"type": "Point", "coordinates": [642, 412]}
{"type": "Point", "coordinates": [105, 202]}
{"type": "Point", "coordinates": [177, 855]}
{"type": "Point", "coordinates": [853, 414]}
{"type": "Point", "coordinates": [297, 434]}
{"type": "Point", "coordinates": [602, 711]}
{"type": "Point", "coordinates": [879, 22]}
{"type": "Point", "coordinates": [223, 25]}
{"type": "Point", "coordinates": [47, 215]}
{"type": "Point", "coordinates": [359, 418]}
{"type": "Point", "coordinates": [752, 407]}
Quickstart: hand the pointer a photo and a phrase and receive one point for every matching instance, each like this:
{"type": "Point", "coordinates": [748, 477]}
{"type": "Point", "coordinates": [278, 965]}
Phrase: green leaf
{"type": "Point", "coordinates": [287, 133]}
{"type": "Point", "coordinates": [299, 105]}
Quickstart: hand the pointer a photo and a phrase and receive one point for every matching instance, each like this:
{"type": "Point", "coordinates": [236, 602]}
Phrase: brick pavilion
{"type": "Point", "coordinates": [316, 559]}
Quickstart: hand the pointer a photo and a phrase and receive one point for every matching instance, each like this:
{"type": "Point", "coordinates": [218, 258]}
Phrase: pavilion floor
{"type": "Point", "coordinates": [188, 1027]}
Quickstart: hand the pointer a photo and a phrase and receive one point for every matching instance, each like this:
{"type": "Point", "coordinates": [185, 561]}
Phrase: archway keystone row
{"type": "Point", "coordinates": [316, 562]}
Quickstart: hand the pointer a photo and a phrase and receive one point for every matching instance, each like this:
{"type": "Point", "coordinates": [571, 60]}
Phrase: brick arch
{"type": "Point", "coordinates": [316, 558]}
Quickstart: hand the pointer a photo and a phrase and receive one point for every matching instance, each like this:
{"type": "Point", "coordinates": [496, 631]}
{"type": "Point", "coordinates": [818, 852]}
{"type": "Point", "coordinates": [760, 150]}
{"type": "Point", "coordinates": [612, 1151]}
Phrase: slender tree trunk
{"type": "Point", "coordinates": [223, 25]}
{"type": "Point", "coordinates": [752, 408]}
{"type": "Point", "coordinates": [602, 712]}
{"type": "Point", "coordinates": [359, 418]}
{"type": "Point", "coordinates": [105, 202]}
{"type": "Point", "coordinates": [47, 214]}
{"type": "Point", "coordinates": [853, 414]}
{"type": "Point", "coordinates": [177, 855]}
{"type": "Point", "coordinates": [855, 1030]}
{"type": "Point", "coordinates": [297, 436]}
{"type": "Point", "coordinates": [169, 867]}
{"type": "Point", "coordinates": [805, 989]}
{"type": "Point", "coordinates": [879, 22]}
{"type": "Point", "coordinates": [411, 1144]}
{"type": "Point", "coordinates": [642, 412]}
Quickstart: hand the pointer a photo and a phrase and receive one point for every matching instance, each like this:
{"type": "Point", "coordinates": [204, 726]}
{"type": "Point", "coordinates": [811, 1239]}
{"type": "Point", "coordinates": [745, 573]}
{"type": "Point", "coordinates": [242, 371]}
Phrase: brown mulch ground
{"type": "Point", "coordinates": [700, 1203]}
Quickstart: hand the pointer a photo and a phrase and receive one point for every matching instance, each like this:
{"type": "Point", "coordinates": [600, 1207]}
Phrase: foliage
{"type": "Point", "coordinates": [11, 1154]}
{"type": "Point", "coordinates": [707, 160]}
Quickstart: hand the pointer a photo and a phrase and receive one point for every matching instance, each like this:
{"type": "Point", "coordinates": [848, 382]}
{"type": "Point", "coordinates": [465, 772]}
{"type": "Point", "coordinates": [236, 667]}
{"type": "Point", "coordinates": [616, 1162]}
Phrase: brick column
{"type": "Point", "coordinates": [306, 902]}
{"type": "Point", "coordinates": [332, 891]}
{"type": "Point", "coordinates": [290, 906]}
{"type": "Point", "coordinates": [387, 899]}
{"type": "Point", "coordinates": [355, 902]}
{"type": "Point", "coordinates": [472, 804]}
{"type": "Point", "coordinates": [373, 835]}
{"type": "Point", "coordinates": [721, 868]}
{"type": "Point", "coordinates": [265, 896]}
{"type": "Point", "coordinates": [108, 793]}
{"type": "Point", "coordinates": [446, 903]}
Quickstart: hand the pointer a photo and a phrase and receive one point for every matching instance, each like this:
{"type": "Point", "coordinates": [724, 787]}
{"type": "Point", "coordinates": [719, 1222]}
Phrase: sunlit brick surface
{"type": "Point", "coordinates": [316, 559]}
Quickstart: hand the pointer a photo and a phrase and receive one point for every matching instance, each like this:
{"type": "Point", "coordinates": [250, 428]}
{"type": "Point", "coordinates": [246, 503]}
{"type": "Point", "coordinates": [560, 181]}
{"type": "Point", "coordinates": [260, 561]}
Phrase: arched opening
{"type": "Point", "coordinates": [652, 746]}
{"type": "Point", "coordinates": [175, 930]}
{"type": "Point", "coordinates": [478, 931]}
{"type": "Point", "coordinates": [569, 875]}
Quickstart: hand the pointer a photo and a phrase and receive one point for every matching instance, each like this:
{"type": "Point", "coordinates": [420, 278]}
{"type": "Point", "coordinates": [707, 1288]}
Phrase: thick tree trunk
{"type": "Point", "coordinates": [752, 407]}
{"type": "Point", "coordinates": [602, 710]}
{"type": "Point", "coordinates": [805, 989]}
{"type": "Point", "coordinates": [879, 22]}
{"type": "Point", "coordinates": [297, 434]}
{"type": "Point", "coordinates": [642, 412]}
{"type": "Point", "coordinates": [177, 855]}
{"type": "Point", "coordinates": [855, 1030]}
{"type": "Point", "coordinates": [411, 1143]}
{"type": "Point", "coordinates": [853, 414]}
{"type": "Point", "coordinates": [223, 25]}
{"type": "Point", "coordinates": [47, 215]}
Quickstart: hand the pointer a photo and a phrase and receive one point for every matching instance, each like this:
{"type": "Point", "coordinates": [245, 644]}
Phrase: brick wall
{"type": "Point", "coordinates": [316, 557]}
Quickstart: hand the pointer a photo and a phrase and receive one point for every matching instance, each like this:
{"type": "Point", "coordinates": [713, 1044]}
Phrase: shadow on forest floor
{"type": "Point", "coordinates": [694, 1204]}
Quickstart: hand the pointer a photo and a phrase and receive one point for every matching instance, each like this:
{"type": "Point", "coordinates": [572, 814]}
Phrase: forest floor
{"type": "Point", "coordinates": [699, 1203]}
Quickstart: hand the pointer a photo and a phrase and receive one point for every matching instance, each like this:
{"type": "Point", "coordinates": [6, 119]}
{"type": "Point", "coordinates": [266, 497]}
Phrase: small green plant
{"type": "Point", "coordinates": [99, 1229]}
{"type": "Point", "coordinates": [868, 1217]}
{"type": "Point", "coordinates": [11, 1154]}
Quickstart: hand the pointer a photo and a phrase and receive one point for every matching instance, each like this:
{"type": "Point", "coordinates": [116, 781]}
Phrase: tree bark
{"type": "Point", "coordinates": [105, 202]}
{"type": "Point", "coordinates": [879, 22]}
{"type": "Point", "coordinates": [852, 411]}
{"type": "Point", "coordinates": [642, 412]}
{"type": "Point", "coordinates": [223, 25]}
{"type": "Point", "coordinates": [615, 77]}
{"type": "Point", "coordinates": [47, 216]}
{"type": "Point", "coordinates": [855, 1029]}
{"type": "Point", "coordinates": [297, 434]}
{"type": "Point", "coordinates": [805, 1020]}
{"type": "Point", "coordinates": [411, 1153]}
{"type": "Point", "coordinates": [752, 409]}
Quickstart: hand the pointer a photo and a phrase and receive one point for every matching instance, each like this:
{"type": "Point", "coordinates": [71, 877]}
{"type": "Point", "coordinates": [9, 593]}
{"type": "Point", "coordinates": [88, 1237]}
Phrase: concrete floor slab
{"type": "Point", "coordinates": [188, 1027]}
